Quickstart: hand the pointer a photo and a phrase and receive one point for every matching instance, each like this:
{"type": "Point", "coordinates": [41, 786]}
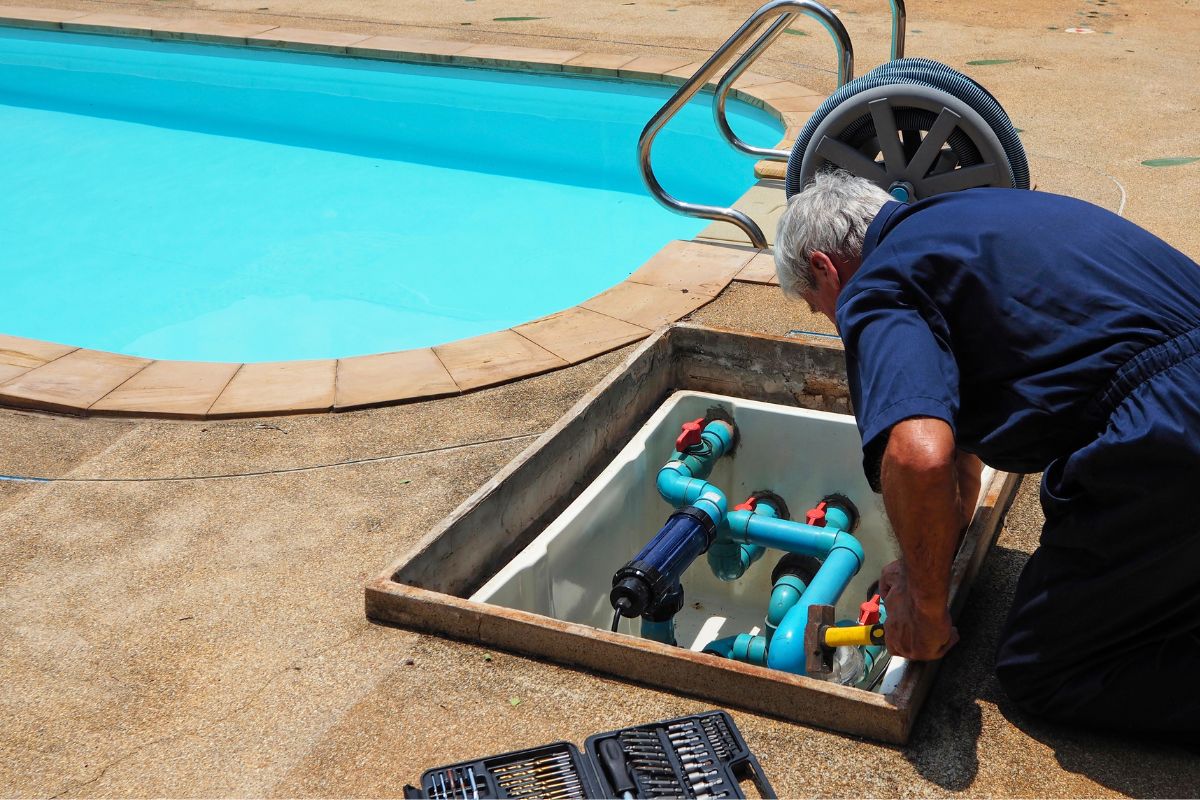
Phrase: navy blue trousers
{"type": "Point", "coordinates": [1104, 629]}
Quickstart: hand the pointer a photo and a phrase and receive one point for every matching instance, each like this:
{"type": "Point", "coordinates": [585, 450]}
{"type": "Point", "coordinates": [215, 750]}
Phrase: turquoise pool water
{"type": "Point", "coordinates": [194, 202]}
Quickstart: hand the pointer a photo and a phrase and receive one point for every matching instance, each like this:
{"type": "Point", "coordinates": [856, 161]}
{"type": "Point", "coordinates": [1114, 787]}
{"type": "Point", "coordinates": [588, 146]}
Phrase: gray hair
{"type": "Point", "coordinates": [830, 216]}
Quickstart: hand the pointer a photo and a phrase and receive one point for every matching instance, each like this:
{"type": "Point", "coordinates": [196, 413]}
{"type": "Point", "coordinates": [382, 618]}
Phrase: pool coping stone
{"type": "Point", "coordinates": [179, 389]}
{"type": "Point", "coordinates": [74, 381]}
{"type": "Point", "coordinates": [315, 41]}
{"type": "Point", "coordinates": [383, 378]}
{"type": "Point", "coordinates": [277, 387]}
{"type": "Point", "coordinates": [578, 333]}
{"type": "Point", "coordinates": [680, 278]}
{"type": "Point", "coordinates": [495, 358]}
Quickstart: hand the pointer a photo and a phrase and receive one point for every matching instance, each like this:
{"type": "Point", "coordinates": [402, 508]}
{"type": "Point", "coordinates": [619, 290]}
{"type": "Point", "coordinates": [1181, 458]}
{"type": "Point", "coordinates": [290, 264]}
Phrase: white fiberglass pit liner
{"type": "Point", "coordinates": [801, 455]}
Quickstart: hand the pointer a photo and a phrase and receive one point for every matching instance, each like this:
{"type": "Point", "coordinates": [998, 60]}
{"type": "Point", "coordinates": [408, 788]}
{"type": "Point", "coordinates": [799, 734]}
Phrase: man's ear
{"type": "Point", "coordinates": [824, 269]}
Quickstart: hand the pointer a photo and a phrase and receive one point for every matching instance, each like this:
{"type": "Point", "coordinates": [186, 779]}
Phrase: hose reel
{"type": "Point", "coordinates": [914, 127]}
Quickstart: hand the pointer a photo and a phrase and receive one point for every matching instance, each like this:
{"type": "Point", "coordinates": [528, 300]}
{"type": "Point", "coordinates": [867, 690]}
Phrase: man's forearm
{"type": "Point", "coordinates": [920, 492]}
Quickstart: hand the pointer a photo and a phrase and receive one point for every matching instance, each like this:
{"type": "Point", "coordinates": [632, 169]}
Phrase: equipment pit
{"type": "Point", "coordinates": [526, 564]}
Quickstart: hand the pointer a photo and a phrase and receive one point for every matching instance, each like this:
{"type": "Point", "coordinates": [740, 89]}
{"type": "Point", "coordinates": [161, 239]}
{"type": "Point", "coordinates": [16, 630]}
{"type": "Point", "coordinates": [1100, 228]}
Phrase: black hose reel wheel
{"type": "Point", "coordinates": [915, 128]}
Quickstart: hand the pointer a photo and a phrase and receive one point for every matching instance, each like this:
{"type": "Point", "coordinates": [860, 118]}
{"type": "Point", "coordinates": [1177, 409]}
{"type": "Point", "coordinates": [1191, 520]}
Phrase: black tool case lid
{"type": "Point", "coordinates": [734, 762]}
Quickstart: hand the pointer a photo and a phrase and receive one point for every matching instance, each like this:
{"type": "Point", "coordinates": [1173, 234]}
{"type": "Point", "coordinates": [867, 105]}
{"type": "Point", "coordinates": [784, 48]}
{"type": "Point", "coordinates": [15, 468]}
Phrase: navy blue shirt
{"type": "Point", "coordinates": [1004, 312]}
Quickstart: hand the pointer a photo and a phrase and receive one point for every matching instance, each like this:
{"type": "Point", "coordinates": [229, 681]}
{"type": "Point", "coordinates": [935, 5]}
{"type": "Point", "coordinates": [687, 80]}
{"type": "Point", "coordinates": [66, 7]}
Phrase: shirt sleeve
{"type": "Point", "coordinates": [899, 363]}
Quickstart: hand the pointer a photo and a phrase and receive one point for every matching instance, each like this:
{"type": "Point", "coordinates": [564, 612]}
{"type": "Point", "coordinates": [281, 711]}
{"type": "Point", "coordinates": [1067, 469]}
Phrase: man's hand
{"type": "Point", "coordinates": [920, 475]}
{"type": "Point", "coordinates": [923, 634]}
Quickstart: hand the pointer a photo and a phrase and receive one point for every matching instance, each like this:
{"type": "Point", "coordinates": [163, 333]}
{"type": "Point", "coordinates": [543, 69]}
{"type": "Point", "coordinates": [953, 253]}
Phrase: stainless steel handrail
{"type": "Point", "coordinates": [786, 10]}
{"type": "Point", "coordinates": [899, 21]}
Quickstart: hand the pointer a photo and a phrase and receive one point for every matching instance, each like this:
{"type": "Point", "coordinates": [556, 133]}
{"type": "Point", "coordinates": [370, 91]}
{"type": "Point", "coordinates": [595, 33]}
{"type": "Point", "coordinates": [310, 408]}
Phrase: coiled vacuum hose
{"type": "Point", "coordinates": [923, 72]}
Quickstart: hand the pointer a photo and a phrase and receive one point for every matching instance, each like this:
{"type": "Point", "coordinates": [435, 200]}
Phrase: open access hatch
{"type": "Point", "coordinates": [525, 564]}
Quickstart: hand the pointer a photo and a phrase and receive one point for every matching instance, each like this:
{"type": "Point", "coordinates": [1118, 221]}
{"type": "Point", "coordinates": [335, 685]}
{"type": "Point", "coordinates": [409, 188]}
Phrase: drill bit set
{"type": "Point", "coordinates": [553, 772]}
{"type": "Point", "coordinates": [697, 757]}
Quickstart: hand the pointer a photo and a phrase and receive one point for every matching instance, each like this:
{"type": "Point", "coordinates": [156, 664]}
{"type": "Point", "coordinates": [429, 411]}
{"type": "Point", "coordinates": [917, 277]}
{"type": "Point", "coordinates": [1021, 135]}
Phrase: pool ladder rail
{"type": "Point", "coordinates": [783, 12]}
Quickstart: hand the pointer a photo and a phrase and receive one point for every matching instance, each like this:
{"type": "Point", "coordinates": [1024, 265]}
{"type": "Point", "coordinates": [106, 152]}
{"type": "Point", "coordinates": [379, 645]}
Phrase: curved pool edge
{"type": "Point", "coordinates": [680, 278]}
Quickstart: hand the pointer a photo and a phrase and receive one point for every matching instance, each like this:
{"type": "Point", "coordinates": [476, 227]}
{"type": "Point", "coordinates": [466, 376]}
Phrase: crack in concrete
{"type": "Point", "coordinates": [281, 471]}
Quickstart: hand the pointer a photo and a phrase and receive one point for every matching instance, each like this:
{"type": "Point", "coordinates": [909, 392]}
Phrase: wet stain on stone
{"type": "Point", "coordinates": [1177, 161]}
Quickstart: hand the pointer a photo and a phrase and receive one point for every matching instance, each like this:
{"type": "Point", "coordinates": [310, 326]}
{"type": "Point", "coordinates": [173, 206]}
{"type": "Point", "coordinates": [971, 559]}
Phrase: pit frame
{"type": "Point", "coordinates": [427, 589]}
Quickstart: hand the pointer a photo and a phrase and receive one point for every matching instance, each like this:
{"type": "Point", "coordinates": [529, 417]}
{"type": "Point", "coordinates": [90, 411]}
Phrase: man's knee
{"type": "Point", "coordinates": [1041, 680]}
{"type": "Point", "coordinates": [1030, 687]}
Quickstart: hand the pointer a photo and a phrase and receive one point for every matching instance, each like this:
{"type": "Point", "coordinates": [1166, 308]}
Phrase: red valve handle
{"type": "Point", "coordinates": [689, 434]}
{"type": "Point", "coordinates": [751, 504]}
{"type": "Point", "coordinates": [816, 516]}
{"type": "Point", "coordinates": [868, 612]}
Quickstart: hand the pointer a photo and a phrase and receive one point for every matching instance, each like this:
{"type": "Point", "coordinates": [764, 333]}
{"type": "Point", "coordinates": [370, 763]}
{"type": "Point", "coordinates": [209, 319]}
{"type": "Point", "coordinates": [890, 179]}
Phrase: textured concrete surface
{"type": "Point", "coordinates": [174, 624]}
{"type": "Point", "coordinates": [182, 616]}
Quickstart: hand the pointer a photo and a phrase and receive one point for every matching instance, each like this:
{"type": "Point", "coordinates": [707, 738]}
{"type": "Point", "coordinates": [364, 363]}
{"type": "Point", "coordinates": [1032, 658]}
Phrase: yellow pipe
{"type": "Point", "coordinates": [852, 636]}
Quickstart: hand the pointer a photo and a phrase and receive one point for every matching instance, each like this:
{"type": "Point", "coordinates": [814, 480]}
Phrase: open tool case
{"type": "Point", "coordinates": [701, 756]}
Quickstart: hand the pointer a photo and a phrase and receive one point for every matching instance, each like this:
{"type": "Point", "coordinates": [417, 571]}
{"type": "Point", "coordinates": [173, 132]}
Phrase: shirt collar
{"type": "Point", "coordinates": [878, 225]}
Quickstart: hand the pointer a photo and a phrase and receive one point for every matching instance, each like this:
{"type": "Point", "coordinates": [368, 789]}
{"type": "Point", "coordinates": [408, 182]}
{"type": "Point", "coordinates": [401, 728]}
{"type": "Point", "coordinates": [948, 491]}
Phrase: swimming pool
{"type": "Point", "coordinates": [198, 202]}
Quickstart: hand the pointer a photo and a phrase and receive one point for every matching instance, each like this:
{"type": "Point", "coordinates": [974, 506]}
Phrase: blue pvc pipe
{"type": "Point", "coordinates": [872, 652]}
{"type": "Point", "coordinates": [681, 481]}
{"type": "Point", "coordinates": [742, 647]}
{"type": "Point", "coordinates": [659, 631]}
{"type": "Point", "coordinates": [780, 534]}
{"type": "Point", "coordinates": [721, 647]}
{"type": "Point", "coordinates": [836, 518]}
{"type": "Point", "coordinates": [787, 651]}
{"type": "Point", "coordinates": [787, 592]}
{"type": "Point", "coordinates": [680, 490]}
{"type": "Point", "coordinates": [750, 649]}
{"type": "Point", "coordinates": [728, 559]}
{"type": "Point", "coordinates": [763, 508]}
{"type": "Point", "coordinates": [717, 438]}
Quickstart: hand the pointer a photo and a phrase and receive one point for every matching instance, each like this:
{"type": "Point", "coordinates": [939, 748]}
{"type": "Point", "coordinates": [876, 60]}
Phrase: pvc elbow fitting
{"type": "Point", "coordinates": [848, 541]}
{"type": "Point", "coordinates": [730, 560]}
{"type": "Point", "coordinates": [837, 518]}
{"type": "Point", "coordinates": [721, 647]}
{"type": "Point", "coordinates": [720, 437]}
{"type": "Point", "coordinates": [680, 489]}
{"type": "Point", "coordinates": [743, 647]}
{"type": "Point", "coordinates": [786, 594]}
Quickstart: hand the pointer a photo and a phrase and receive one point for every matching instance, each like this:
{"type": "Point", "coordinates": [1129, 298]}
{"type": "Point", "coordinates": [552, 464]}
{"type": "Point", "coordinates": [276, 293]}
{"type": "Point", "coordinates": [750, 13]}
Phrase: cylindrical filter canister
{"type": "Point", "coordinates": [653, 572]}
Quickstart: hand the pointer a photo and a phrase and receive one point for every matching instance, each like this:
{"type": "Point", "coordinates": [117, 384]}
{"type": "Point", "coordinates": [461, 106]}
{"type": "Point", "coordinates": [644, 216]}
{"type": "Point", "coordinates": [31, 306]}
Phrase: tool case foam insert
{"type": "Point", "coordinates": [699, 756]}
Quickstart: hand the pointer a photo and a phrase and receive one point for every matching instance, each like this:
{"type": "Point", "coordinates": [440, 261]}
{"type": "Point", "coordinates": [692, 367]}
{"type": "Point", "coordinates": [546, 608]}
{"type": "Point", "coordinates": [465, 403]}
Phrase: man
{"type": "Point", "coordinates": [1040, 334]}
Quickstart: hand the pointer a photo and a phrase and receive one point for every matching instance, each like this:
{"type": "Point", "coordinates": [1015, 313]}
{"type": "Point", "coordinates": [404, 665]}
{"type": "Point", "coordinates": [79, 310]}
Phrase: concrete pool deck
{"type": "Point", "coordinates": [182, 613]}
